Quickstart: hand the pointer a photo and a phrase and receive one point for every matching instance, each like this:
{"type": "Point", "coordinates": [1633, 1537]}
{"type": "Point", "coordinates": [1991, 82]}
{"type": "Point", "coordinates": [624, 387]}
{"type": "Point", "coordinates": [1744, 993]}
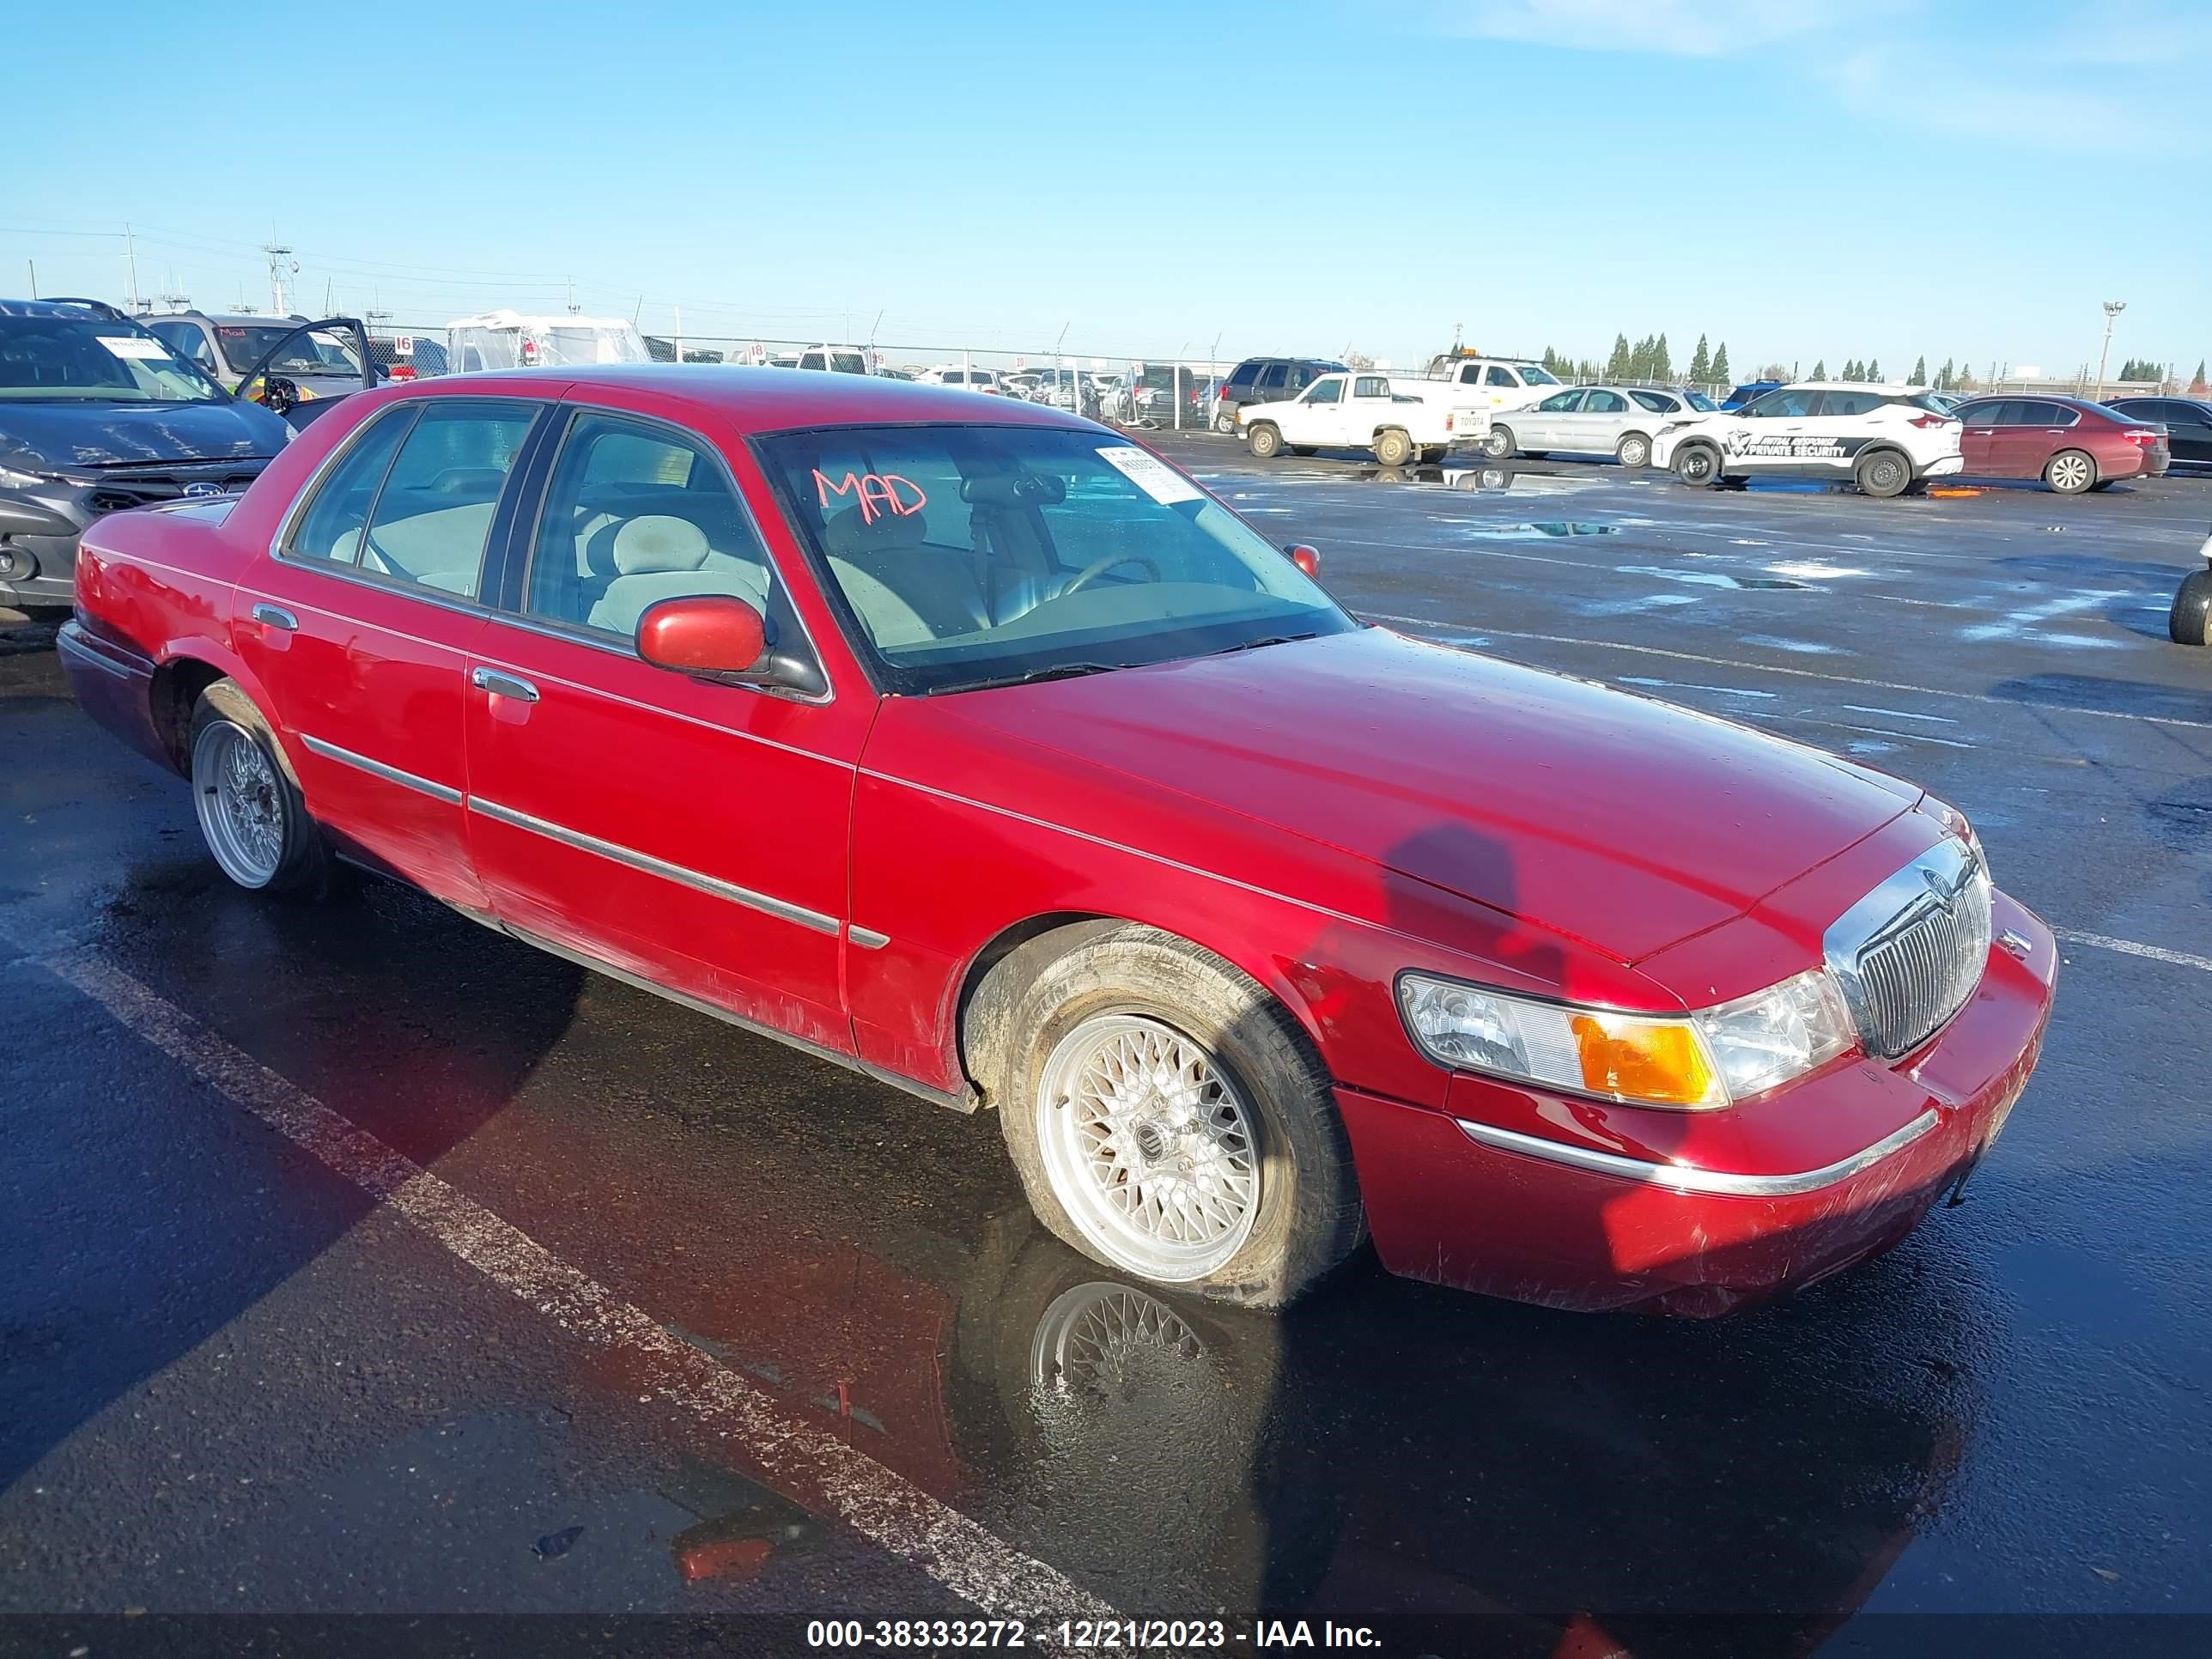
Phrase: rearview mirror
{"type": "Point", "coordinates": [1307, 559]}
{"type": "Point", "coordinates": [703, 633]}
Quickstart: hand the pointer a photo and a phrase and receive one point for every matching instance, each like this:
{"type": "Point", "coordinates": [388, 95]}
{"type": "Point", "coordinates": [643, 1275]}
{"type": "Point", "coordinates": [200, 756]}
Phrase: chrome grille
{"type": "Point", "coordinates": [1909, 953]}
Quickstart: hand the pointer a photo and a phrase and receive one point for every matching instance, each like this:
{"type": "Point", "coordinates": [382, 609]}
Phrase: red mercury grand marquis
{"type": "Point", "coordinates": [984, 751]}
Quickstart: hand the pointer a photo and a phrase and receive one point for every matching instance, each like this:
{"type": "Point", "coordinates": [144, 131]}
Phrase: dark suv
{"type": "Point", "coordinates": [1267, 380]}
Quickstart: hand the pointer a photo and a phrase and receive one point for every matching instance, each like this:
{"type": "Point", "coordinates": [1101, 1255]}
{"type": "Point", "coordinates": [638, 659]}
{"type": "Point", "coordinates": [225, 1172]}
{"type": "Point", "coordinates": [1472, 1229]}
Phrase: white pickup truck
{"type": "Point", "coordinates": [1359, 408]}
{"type": "Point", "coordinates": [1490, 383]}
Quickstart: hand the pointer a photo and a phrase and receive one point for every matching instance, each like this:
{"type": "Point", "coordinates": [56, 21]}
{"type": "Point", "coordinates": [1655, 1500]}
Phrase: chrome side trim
{"type": "Point", "coordinates": [867, 937]}
{"type": "Point", "coordinates": [377, 769]}
{"type": "Point", "coordinates": [653, 867]}
{"type": "Point", "coordinates": [1687, 1178]}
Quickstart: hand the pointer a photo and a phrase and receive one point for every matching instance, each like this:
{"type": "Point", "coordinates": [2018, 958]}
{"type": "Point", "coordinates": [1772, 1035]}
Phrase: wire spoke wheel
{"type": "Point", "coordinates": [1149, 1147]}
{"type": "Point", "coordinates": [240, 801]}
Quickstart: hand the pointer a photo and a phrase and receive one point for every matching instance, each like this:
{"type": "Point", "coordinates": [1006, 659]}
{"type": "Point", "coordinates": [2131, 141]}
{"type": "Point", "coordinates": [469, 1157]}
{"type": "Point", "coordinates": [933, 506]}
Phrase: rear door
{"type": "Point", "coordinates": [1595, 427]}
{"type": "Point", "coordinates": [688, 832]}
{"type": "Point", "coordinates": [360, 623]}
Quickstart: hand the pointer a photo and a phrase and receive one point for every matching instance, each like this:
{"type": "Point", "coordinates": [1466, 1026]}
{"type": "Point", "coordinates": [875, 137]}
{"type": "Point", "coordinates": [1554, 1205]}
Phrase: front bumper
{"type": "Point", "coordinates": [1569, 1216]}
{"type": "Point", "coordinates": [39, 533]}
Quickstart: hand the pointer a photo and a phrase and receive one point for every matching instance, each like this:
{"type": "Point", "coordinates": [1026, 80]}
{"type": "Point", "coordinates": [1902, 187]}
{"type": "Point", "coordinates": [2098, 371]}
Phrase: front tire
{"type": "Point", "coordinates": [1266, 442]}
{"type": "Point", "coordinates": [251, 813]}
{"type": "Point", "coordinates": [1633, 451]}
{"type": "Point", "coordinates": [2070, 471]}
{"type": "Point", "coordinates": [2190, 623]}
{"type": "Point", "coordinates": [1169, 1120]}
{"type": "Point", "coordinates": [1883, 474]}
{"type": "Point", "coordinates": [1697, 464]}
{"type": "Point", "coordinates": [1498, 445]}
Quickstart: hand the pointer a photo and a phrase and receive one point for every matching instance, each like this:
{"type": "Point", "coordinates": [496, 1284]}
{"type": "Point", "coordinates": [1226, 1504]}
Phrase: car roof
{"type": "Point", "coordinates": [757, 399]}
{"type": "Point", "coordinates": [48, 308]}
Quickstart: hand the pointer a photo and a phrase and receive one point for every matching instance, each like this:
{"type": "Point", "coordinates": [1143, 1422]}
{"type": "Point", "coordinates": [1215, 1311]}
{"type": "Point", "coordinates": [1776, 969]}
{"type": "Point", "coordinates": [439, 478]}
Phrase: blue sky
{"type": "Point", "coordinates": [1801, 178]}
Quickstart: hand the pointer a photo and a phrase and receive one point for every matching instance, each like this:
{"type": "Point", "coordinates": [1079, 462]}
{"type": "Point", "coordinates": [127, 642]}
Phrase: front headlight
{"type": "Point", "coordinates": [1689, 1063]}
{"type": "Point", "coordinates": [11, 479]}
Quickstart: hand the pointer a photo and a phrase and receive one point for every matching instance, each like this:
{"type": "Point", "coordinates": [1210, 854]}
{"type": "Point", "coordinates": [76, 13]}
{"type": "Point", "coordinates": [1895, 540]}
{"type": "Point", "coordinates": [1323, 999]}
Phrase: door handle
{"type": "Point", "coordinates": [503, 685]}
{"type": "Point", "coordinates": [276, 615]}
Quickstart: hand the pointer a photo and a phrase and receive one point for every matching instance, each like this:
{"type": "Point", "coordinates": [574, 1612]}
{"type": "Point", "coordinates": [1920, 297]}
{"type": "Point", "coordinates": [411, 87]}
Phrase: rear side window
{"type": "Point", "coordinates": [434, 514]}
{"type": "Point", "coordinates": [1244, 374]}
{"type": "Point", "coordinates": [330, 527]}
{"type": "Point", "coordinates": [1657, 402]}
{"type": "Point", "coordinates": [2046, 414]}
{"type": "Point", "coordinates": [1274, 377]}
{"type": "Point", "coordinates": [1851, 403]}
{"type": "Point", "coordinates": [1370, 385]}
{"type": "Point", "coordinates": [810, 359]}
{"type": "Point", "coordinates": [1303, 375]}
{"type": "Point", "coordinates": [1328, 391]}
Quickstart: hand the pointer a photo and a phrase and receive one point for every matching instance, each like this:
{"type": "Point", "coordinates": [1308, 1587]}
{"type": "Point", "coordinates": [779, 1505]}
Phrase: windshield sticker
{"type": "Point", "coordinates": [876, 492]}
{"type": "Point", "coordinates": [1150, 474]}
{"type": "Point", "coordinates": [134, 345]}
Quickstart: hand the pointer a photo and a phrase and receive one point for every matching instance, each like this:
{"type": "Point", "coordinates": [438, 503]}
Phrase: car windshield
{"type": "Point", "coordinates": [87, 359]}
{"type": "Point", "coordinates": [316, 352]}
{"type": "Point", "coordinates": [1535, 376]}
{"type": "Point", "coordinates": [1698, 400]}
{"type": "Point", "coordinates": [972, 555]}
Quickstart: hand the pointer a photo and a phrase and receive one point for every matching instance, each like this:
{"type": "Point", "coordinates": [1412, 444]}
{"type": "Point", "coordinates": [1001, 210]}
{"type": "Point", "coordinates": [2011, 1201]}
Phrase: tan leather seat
{"type": "Point", "coordinates": [903, 592]}
{"type": "Point", "coordinates": [660, 556]}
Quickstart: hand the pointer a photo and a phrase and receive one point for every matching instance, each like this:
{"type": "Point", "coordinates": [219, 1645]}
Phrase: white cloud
{"type": "Point", "coordinates": [1690, 28]}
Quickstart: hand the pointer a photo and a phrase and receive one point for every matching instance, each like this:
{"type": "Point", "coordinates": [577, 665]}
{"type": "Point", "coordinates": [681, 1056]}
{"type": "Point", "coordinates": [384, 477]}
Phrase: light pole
{"type": "Point", "coordinates": [2112, 309]}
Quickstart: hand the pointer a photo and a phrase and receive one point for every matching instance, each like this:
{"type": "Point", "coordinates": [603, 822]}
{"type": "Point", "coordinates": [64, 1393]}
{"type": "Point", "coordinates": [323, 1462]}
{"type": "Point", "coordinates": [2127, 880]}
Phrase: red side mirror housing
{"type": "Point", "coordinates": [1307, 559]}
{"type": "Point", "coordinates": [702, 633]}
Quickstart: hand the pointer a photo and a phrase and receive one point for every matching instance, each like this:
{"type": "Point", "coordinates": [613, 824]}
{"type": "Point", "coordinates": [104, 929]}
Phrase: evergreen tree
{"type": "Point", "coordinates": [1820, 369]}
{"type": "Point", "coordinates": [2199, 380]}
{"type": "Point", "coordinates": [1721, 368]}
{"type": "Point", "coordinates": [1618, 366]}
{"type": "Point", "coordinates": [1851, 369]}
{"type": "Point", "coordinates": [1662, 360]}
{"type": "Point", "coordinates": [1701, 362]}
{"type": "Point", "coordinates": [1919, 372]}
{"type": "Point", "coordinates": [1966, 381]}
{"type": "Point", "coordinates": [1943, 381]}
{"type": "Point", "coordinates": [1873, 369]}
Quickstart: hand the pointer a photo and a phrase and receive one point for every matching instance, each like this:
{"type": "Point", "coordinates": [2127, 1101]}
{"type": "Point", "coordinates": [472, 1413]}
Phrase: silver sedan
{"type": "Point", "coordinates": [1592, 420]}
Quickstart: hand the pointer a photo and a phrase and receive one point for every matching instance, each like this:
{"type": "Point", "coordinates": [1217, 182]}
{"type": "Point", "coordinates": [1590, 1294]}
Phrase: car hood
{"type": "Point", "coordinates": [1614, 819]}
{"type": "Point", "coordinates": [64, 437]}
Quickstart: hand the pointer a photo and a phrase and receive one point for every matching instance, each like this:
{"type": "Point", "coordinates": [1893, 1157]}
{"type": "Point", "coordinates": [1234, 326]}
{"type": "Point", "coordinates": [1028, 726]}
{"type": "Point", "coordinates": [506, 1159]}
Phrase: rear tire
{"type": "Point", "coordinates": [1266, 442]}
{"type": "Point", "coordinates": [1223, 422]}
{"type": "Point", "coordinates": [251, 812]}
{"type": "Point", "coordinates": [2070, 471]}
{"type": "Point", "coordinates": [1393, 448]}
{"type": "Point", "coordinates": [2190, 623]}
{"type": "Point", "coordinates": [1498, 445]}
{"type": "Point", "coordinates": [1234, 1181]}
{"type": "Point", "coordinates": [1633, 451]}
{"type": "Point", "coordinates": [1883, 474]}
{"type": "Point", "coordinates": [1697, 465]}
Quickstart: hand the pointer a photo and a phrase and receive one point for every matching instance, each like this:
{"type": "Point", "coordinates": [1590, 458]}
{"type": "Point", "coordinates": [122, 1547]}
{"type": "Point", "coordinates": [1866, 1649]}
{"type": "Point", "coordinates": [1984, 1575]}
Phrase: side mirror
{"type": "Point", "coordinates": [704, 634]}
{"type": "Point", "coordinates": [1307, 559]}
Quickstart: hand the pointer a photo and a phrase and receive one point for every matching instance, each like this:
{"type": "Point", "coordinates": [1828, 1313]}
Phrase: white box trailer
{"type": "Point", "coordinates": [508, 339]}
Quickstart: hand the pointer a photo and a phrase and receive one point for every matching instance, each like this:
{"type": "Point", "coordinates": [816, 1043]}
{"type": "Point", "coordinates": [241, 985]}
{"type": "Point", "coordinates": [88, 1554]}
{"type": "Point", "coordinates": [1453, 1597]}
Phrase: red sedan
{"type": "Point", "coordinates": [984, 751]}
{"type": "Point", "coordinates": [2069, 443]}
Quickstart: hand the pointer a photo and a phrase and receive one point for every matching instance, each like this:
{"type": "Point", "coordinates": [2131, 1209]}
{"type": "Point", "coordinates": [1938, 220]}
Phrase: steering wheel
{"type": "Point", "coordinates": [1097, 567]}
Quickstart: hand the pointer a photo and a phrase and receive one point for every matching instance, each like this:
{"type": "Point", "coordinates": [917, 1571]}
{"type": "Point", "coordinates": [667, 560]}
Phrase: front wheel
{"type": "Point", "coordinates": [2070, 471]}
{"type": "Point", "coordinates": [251, 813]}
{"type": "Point", "coordinates": [1169, 1118]}
{"type": "Point", "coordinates": [2190, 623]}
{"type": "Point", "coordinates": [1266, 442]}
{"type": "Point", "coordinates": [1393, 448]}
{"type": "Point", "coordinates": [1633, 451]}
{"type": "Point", "coordinates": [1697, 464]}
{"type": "Point", "coordinates": [1883, 474]}
{"type": "Point", "coordinates": [1498, 445]}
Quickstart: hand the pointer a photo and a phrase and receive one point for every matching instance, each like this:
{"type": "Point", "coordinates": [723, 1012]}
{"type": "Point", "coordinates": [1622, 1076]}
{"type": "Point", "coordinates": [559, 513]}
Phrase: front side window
{"type": "Point", "coordinates": [968, 554]}
{"type": "Point", "coordinates": [1994, 412]}
{"type": "Point", "coordinates": [1536, 375]}
{"type": "Point", "coordinates": [1791, 402]}
{"type": "Point", "coordinates": [810, 359]}
{"type": "Point", "coordinates": [848, 362]}
{"type": "Point", "coordinates": [1498, 376]}
{"type": "Point", "coordinates": [429, 513]}
{"type": "Point", "coordinates": [1560, 403]}
{"type": "Point", "coordinates": [635, 514]}
{"type": "Point", "coordinates": [1329, 390]}
{"type": "Point", "coordinates": [315, 351]}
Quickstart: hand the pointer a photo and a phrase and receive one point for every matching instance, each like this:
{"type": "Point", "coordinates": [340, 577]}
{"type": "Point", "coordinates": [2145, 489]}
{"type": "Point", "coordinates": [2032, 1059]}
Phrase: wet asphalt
{"type": "Point", "coordinates": [234, 1383]}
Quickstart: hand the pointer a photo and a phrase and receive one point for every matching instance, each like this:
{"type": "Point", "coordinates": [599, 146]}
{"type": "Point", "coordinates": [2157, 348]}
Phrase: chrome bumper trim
{"type": "Point", "coordinates": [1687, 1178]}
{"type": "Point", "coordinates": [377, 769]}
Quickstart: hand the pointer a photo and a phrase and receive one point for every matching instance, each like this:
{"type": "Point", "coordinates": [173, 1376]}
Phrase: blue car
{"type": "Point", "coordinates": [1744, 393]}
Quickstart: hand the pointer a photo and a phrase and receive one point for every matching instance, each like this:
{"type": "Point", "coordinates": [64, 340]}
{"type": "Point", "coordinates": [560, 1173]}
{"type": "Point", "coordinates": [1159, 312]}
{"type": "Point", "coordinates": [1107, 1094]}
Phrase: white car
{"type": "Point", "coordinates": [1490, 383]}
{"type": "Point", "coordinates": [1885, 439]}
{"type": "Point", "coordinates": [974, 379]}
{"type": "Point", "coordinates": [1351, 411]}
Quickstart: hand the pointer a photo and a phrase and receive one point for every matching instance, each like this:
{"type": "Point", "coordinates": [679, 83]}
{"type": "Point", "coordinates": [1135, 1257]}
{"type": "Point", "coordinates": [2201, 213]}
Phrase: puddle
{"type": "Point", "coordinates": [1710, 577]}
{"type": "Point", "coordinates": [1533, 533]}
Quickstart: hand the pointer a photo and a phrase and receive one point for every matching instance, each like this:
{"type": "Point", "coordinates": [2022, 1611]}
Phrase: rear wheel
{"type": "Point", "coordinates": [2070, 471]}
{"type": "Point", "coordinates": [2191, 621]}
{"type": "Point", "coordinates": [1883, 474]}
{"type": "Point", "coordinates": [1224, 421]}
{"type": "Point", "coordinates": [249, 811]}
{"type": "Point", "coordinates": [1168, 1118]}
{"type": "Point", "coordinates": [1633, 451]}
{"type": "Point", "coordinates": [1498, 445]}
{"type": "Point", "coordinates": [1393, 448]}
{"type": "Point", "coordinates": [1697, 464]}
{"type": "Point", "coordinates": [1266, 442]}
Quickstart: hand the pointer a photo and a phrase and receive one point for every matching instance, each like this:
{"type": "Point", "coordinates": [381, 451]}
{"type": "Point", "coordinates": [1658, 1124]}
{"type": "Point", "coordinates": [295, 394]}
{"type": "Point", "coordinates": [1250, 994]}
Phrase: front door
{"type": "Point", "coordinates": [359, 628]}
{"type": "Point", "coordinates": [689, 834]}
{"type": "Point", "coordinates": [1317, 418]}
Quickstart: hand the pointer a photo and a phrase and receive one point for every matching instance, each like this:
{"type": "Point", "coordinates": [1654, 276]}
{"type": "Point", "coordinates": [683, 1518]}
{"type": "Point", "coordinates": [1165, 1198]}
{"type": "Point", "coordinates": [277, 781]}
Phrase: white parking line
{"type": "Point", "coordinates": [822, 1472]}
{"type": "Point", "coordinates": [2129, 947]}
